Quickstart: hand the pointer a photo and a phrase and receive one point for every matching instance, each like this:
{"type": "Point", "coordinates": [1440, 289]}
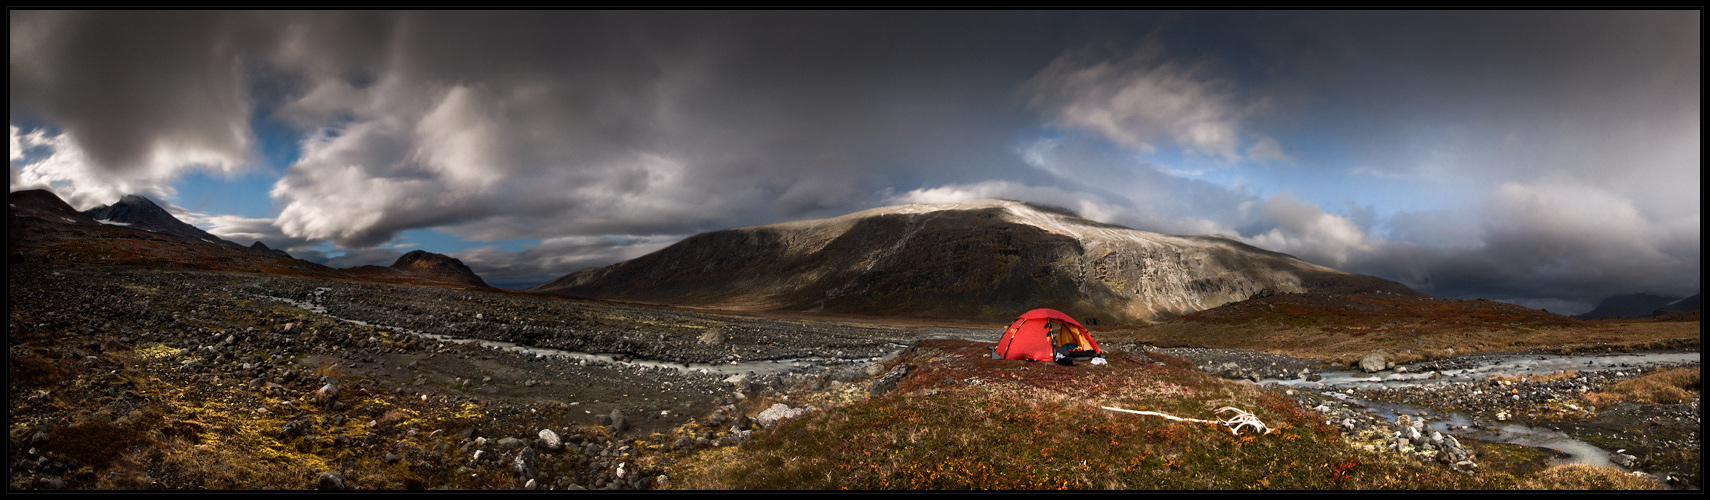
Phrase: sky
{"type": "Point", "coordinates": [1543, 158]}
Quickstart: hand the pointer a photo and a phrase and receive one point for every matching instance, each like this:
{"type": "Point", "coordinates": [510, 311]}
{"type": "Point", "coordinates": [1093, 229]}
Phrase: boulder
{"type": "Point", "coordinates": [889, 381]}
{"type": "Point", "coordinates": [780, 411]}
{"type": "Point", "coordinates": [330, 481]}
{"type": "Point", "coordinates": [1372, 363]}
{"type": "Point", "coordinates": [551, 439]}
{"type": "Point", "coordinates": [524, 463]}
{"type": "Point", "coordinates": [619, 424]}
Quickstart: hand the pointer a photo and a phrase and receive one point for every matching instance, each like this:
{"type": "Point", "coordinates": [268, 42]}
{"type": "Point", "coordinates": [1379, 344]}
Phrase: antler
{"type": "Point", "coordinates": [1234, 423]}
{"type": "Point", "coordinates": [1243, 419]}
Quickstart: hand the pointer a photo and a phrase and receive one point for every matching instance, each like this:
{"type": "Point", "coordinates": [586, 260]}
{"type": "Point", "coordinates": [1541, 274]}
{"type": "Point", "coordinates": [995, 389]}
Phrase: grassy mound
{"type": "Point", "coordinates": [964, 421]}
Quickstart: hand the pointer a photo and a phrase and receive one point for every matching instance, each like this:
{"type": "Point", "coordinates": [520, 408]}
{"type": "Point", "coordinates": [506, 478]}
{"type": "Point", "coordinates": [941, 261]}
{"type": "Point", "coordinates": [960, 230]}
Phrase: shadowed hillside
{"type": "Point", "coordinates": [986, 260]}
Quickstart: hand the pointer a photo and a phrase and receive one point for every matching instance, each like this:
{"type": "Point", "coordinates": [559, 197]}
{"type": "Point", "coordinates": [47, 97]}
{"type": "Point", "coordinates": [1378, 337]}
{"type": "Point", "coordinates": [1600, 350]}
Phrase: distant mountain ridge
{"type": "Point", "coordinates": [141, 213]}
{"type": "Point", "coordinates": [1633, 305]}
{"type": "Point", "coordinates": [986, 259]}
{"type": "Point", "coordinates": [429, 265]}
{"type": "Point", "coordinates": [136, 231]}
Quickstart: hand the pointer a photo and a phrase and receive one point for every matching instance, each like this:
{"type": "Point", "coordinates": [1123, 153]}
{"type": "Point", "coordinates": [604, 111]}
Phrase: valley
{"type": "Point", "coordinates": [143, 360]}
{"type": "Point", "coordinates": [195, 372]}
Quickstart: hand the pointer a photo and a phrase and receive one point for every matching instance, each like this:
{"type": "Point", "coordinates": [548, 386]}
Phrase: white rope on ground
{"type": "Point", "coordinates": [1234, 423]}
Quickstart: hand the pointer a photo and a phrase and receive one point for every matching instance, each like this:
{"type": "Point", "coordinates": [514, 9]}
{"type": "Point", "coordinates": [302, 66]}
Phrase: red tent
{"type": "Point", "coordinates": [1035, 333]}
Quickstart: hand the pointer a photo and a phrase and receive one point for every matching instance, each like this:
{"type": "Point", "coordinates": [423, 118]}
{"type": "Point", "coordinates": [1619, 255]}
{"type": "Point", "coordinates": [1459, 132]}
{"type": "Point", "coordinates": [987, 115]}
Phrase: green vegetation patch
{"type": "Point", "coordinates": [964, 421]}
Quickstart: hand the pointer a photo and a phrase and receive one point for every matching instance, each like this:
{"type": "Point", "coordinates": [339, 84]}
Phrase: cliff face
{"type": "Point", "coordinates": [988, 259]}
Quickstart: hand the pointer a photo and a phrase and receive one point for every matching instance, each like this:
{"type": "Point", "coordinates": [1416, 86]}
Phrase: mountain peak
{"type": "Point", "coordinates": [437, 266]}
{"type": "Point", "coordinates": [142, 213]}
{"type": "Point", "coordinates": [986, 259]}
{"type": "Point", "coordinates": [131, 199]}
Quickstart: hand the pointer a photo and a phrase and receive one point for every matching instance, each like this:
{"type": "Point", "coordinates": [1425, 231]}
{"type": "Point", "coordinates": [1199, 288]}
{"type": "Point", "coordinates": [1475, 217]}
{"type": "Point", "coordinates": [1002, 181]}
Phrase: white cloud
{"type": "Point", "coordinates": [1141, 100]}
{"type": "Point", "coordinates": [66, 170]}
{"type": "Point", "coordinates": [1268, 150]}
{"type": "Point", "coordinates": [555, 257]}
{"type": "Point", "coordinates": [1307, 231]}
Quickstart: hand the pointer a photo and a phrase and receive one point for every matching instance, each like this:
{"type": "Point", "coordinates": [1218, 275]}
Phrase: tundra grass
{"type": "Point", "coordinates": [965, 422]}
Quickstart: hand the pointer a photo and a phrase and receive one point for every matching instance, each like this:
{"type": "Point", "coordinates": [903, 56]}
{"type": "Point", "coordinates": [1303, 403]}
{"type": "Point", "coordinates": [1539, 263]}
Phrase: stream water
{"type": "Point", "coordinates": [1333, 384]}
{"type": "Point", "coordinates": [1480, 367]}
{"type": "Point", "coordinates": [760, 367]}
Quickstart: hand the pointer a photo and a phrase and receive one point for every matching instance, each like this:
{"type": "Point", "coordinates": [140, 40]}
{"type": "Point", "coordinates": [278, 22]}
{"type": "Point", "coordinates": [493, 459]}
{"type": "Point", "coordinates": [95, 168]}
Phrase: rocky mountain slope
{"type": "Point", "coordinates": [138, 212]}
{"type": "Point", "coordinates": [1636, 305]}
{"type": "Point", "coordinates": [41, 227]}
{"type": "Point", "coordinates": [986, 259]}
{"type": "Point", "coordinates": [420, 265]}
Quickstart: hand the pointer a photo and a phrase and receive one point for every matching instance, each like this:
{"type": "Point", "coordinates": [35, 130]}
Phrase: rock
{"type": "Point", "coordinates": [887, 382]}
{"type": "Point", "coordinates": [330, 481]}
{"type": "Point", "coordinates": [1624, 460]}
{"type": "Point", "coordinates": [1314, 377]}
{"type": "Point", "coordinates": [326, 393]}
{"type": "Point", "coordinates": [510, 443]}
{"type": "Point", "coordinates": [524, 463]}
{"type": "Point", "coordinates": [1372, 363]}
{"type": "Point", "coordinates": [619, 424]}
{"type": "Point", "coordinates": [780, 411]}
{"type": "Point", "coordinates": [290, 430]}
{"type": "Point", "coordinates": [551, 439]}
{"type": "Point", "coordinates": [848, 373]}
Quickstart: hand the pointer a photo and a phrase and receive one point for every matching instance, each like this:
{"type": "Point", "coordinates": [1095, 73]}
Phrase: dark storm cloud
{"type": "Point", "coordinates": [603, 132]}
{"type": "Point", "coordinates": [138, 90]}
{"type": "Point", "coordinates": [503, 126]}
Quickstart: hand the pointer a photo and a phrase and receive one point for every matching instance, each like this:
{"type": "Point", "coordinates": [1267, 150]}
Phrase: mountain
{"type": "Point", "coordinates": [134, 231]}
{"type": "Point", "coordinates": [41, 228]}
{"type": "Point", "coordinates": [1635, 305]}
{"type": "Point", "coordinates": [437, 265]}
{"type": "Point", "coordinates": [138, 212]}
{"type": "Point", "coordinates": [420, 267]}
{"type": "Point", "coordinates": [1693, 303]}
{"type": "Point", "coordinates": [986, 259]}
{"type": "Point", "coordinates": [260, 247]}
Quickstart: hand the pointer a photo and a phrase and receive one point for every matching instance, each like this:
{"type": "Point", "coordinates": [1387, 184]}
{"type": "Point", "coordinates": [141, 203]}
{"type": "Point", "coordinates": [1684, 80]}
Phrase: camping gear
{"type": "Point", "coordinates": [1040, 334]}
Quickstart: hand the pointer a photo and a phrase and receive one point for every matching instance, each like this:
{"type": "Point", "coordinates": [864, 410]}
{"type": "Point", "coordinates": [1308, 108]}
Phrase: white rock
{"type": "Point", "coordinates": [551, 438]}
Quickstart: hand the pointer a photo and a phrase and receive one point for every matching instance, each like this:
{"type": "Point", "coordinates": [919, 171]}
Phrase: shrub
{"type": "Point", "coordinates": [1585, 477]}
{"type": "Point", "coordinates": [1668, 387]}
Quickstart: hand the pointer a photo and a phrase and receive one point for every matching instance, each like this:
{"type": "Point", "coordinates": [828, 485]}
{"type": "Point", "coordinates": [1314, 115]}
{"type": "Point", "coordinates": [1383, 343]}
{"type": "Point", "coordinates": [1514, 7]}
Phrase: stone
{"type": "Point", "coordinates": [780, 411]}
{"type": "Point", "coordinates": [889, 381]}
{"type": "Point", "coordinates": [524, 463]}
{"type": "Point", "coordinates": [619, 424]}
{"type": "Point", "coordinates": [330, 481]}
{"type": "Point", "coordinates": [550, 439]}
{"type": "Point", "coordinates": [1624, 460]}
{"type": "Point", "coordinates": [1372, 363]}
